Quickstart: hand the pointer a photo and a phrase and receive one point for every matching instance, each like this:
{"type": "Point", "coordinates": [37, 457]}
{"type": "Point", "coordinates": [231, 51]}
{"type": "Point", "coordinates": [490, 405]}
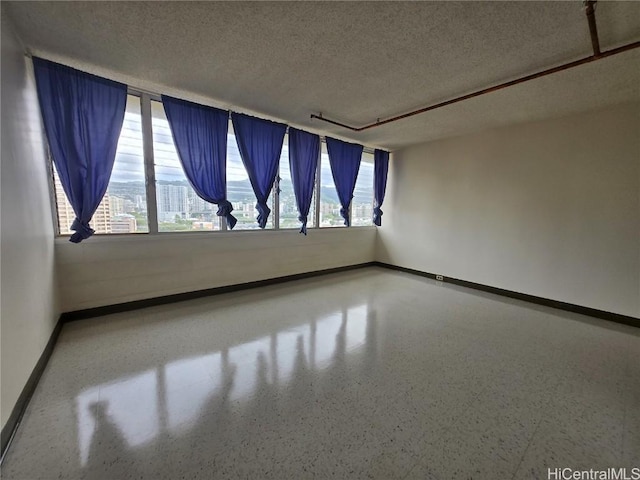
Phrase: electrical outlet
{"type": "Point", "coordinates": [440, 278]}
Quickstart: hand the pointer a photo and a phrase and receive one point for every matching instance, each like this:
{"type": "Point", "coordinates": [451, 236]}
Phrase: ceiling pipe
{"type": "Point", "coordinates": [597, 55]}
{"type": "Point", "coordinates": [590, 10]}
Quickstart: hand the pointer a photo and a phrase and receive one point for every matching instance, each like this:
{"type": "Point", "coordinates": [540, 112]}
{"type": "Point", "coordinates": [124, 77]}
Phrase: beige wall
{"type": "Point", "coordinates": [109, 270]}
{"type": "Point", "coordinates": [29, 310]}
{"type": "Point", "coordinates": [549, 208]}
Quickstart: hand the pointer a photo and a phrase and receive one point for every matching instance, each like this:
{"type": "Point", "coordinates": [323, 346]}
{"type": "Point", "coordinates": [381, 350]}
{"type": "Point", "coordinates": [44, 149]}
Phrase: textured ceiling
{"type": "Point", "coordinates": [352, 61]}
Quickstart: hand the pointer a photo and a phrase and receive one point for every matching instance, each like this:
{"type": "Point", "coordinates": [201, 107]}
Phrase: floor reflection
{"type": "Point", "coordinates": [108, 446]}
{"type": "Point", "coordinates": [195, 396]}
{"type": "Point", "coordinates": [182, 411]}
{"type": "Point", "coordinates": [131, 405]}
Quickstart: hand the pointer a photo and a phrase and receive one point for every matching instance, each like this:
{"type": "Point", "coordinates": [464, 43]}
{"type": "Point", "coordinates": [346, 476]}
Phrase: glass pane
{"type": "Point", "coordinates": [124, 206]}
{"type": "Point", "coordinates": [362, 203]}
{"type": "Point", "coordinates": [180, 209]}
{"type": "Point", "coordinates": [288, 207]}
{"type": "Point", "coordinates": [239, 191]}
{"type": "Point", "coordinates": [329, 203]}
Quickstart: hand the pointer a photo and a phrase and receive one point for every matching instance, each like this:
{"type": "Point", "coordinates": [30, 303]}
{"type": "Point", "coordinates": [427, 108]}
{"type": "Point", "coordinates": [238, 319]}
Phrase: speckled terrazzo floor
{"type": "Point", "coordinates": [364, 374]}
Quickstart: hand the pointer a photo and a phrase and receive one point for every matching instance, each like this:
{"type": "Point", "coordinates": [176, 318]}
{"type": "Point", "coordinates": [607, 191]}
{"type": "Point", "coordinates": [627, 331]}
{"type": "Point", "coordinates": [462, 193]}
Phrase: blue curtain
{"type": "Point", "coordinates": [345, 162]}
{"type": "Point", "coordinates": [304, 151]}
{"type": "Point", "coordinates": [260, 145]}
{"type": "Point", "coordinates": [200, 136]}
{"type": "Point", "coordinates": [82, 116]}
{"type": "Point", "coordinates": [380, 169]}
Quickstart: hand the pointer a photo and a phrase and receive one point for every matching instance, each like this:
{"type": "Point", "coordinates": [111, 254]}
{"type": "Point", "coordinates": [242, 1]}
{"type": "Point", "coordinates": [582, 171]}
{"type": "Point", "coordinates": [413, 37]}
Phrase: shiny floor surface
{"type": "Point", "coordinates": [365, 374]}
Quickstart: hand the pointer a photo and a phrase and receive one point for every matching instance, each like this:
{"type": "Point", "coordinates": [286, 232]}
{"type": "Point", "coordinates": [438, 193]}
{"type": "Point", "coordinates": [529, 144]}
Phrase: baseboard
{"type": "Point", "coordinates": [181, 297]}
{"type": "Point", "coordinates": [10, 428]}
{"type": "Point", "coordinates": [569, 307]}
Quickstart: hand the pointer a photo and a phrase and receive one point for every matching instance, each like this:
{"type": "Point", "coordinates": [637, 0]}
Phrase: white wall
{"type": "Point", "coordinates": [548, 208]}
{"type": "Point", "coordinates": [29, 311]}
{"type": "Point", "coordinates": [114, 269]}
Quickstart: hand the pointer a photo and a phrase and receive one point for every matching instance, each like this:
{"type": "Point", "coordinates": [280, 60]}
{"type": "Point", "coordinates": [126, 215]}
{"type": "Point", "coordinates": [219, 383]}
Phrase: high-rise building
{"type": "Point", "coordinates": [100, 222]}
{"type": "Point", "coordinates": [124, 223]}
{"type": "Point", "coordinates": [117, 205]}
{"type": "Point", "coordinates": [140, 203]}
{"type": "Point", "coordinates": [172, 201]}
{"type": "Point", "coordinates": [197, 204]}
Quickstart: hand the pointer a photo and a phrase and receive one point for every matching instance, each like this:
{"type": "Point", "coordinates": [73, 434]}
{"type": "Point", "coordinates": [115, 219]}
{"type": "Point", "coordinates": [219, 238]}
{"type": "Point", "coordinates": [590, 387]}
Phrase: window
{"type": "Point", "coordinates": [124, 206]}
{"type": "Point", "coordinates": [329, 202]}
{"type": "Point", "coordinates": [288, 206]}
{"type": "Point", "coordinates": [180, 208]}
{"type": "Point", "coordinates": [362, 203]}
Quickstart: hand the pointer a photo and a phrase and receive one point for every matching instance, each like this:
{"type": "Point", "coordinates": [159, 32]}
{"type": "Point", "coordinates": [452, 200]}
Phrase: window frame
{"type": "Point", "coordinates": [145, 99]}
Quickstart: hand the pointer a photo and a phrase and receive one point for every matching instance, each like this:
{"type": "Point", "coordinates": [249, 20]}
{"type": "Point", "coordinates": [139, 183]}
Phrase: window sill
{"type": "Point", "coordinates": [127, 237]}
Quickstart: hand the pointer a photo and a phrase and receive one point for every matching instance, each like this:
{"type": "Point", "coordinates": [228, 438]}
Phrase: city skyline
{"type": "Point", "coordinates": [123, 209]}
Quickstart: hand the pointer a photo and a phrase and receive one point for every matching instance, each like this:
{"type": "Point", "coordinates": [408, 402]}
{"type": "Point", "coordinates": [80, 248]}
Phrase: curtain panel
{"type": "Point", "coordinates": [200, 136]}
{"type": "Point", "coordinates": [260, 144]}
{"type": "Point", "coordinates": [380, 170]}
{"type": "Point", "coordinates": [344, 159]}
{"type": "Point", "coordinates": [304, 152]}
{"type": "Point", "coordinates": [82, 116]}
